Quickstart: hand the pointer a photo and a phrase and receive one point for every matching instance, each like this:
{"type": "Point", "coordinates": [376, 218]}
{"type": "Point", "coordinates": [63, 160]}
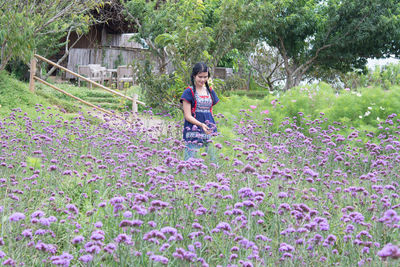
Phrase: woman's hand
{"type": "Point", "coordinates": [205, 128]}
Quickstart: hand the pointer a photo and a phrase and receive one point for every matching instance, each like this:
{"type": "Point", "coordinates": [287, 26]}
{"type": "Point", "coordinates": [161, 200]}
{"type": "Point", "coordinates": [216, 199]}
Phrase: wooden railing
{"type": "Point", "coordinates": [33, 77]}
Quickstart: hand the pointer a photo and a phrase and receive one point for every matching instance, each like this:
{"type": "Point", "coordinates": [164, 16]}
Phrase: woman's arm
{"type": "Point", "coordinates": [187, 113]}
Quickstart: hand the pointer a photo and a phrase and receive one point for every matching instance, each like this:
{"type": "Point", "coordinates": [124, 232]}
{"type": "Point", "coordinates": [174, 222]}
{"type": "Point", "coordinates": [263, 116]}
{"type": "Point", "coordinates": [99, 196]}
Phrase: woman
{"type": "Point", "coordinates": [198, 101]}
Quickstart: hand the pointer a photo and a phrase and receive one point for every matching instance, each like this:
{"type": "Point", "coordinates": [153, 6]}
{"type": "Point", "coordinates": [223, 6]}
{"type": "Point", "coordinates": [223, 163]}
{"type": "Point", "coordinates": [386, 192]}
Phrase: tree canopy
{"type": "Point", "coordinates": [306, 37]}
{"type": "Point", "coordinates": [186, 31]}
{"type": "Point", "coordinates": [331, 34]}
{"type": "Point", "coordinates": [28, 25]}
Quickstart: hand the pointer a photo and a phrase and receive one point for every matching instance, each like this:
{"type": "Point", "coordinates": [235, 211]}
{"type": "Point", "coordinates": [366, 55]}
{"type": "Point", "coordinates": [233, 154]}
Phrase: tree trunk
{"type": "Point", "coordinates": [162, 67]}
{"type": "Point", "coordinates": [4, 62]}
{"type": "Point", "coordinates": [289, 81]}
{"type": "Point", "coordinates": [54, 68]}
{"type": "Point", "coordinates": [248, 81]}
{"type": "Point", "coordinates": [290, 78]}
{"type": "Point", "coordinates": [67, 49]}
{"type": "Point", "coordinates": [4, 58]}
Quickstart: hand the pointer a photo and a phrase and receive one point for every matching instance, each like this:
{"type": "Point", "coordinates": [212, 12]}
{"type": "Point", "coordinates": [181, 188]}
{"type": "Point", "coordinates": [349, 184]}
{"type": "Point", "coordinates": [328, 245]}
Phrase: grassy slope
{"type": "Point", "coordinates": [16, 94]}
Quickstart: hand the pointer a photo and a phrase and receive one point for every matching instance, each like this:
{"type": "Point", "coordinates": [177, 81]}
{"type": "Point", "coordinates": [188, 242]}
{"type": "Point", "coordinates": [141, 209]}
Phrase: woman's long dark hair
{"type": "Point", "coordinates": [198, 68]}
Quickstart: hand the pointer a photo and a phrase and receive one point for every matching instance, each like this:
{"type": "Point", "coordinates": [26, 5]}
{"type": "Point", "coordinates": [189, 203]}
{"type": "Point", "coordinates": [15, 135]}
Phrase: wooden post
{"type": "Point", "coordinates": [32, 74]}
{"type": "Point", "coordinates": [88, 80]}
{"type": "Point", "coordinates": [134, 105]}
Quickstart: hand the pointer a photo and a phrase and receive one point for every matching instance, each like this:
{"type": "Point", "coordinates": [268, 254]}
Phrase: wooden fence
{"type": "Point", "coordinates": [33, 77]}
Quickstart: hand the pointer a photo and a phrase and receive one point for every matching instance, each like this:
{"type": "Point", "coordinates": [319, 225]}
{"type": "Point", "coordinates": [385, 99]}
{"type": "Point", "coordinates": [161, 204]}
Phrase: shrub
{"type": "Point", "coordinates": [384, 76]}
{"type": "Point", "coordinates": [161, 91]}
{"type": "Point", "coordinates": [366, 108]}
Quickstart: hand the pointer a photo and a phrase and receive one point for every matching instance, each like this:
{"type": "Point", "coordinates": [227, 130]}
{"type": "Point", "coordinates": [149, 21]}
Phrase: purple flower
{"type": "Point", "coordinates": [123, 238]}
{"type": "Point", "coordinates": [164, 247]}
{"type": "Point", "coordinates": [97, 235]}
{"type": "Point", "coordinates": [17, 217]}
{"type": "Point", "coordinates": [37, 214]}
{"type": "Point", "coordinates": [9, 261]}
{"type": "Point", "coordinates": [127, 214]}
{"type": "Point", "coordinates": [390, 251]}
{"type": "Point", "coordinates": [152, 224]}
{"type": "Point", "coordinates": [44, 221]}
{"type": "Point", "coordinates": [116, 200]}
{"type": "Point", "coordinates": [63, 260]}
{"type": "Point", "coordinates": [285, 247]}
{"type": "Point", "coordinates": [390, 218]}
{"type": "Point", "coordinates": [98, 224]}
{"type": "Point", "coordinates": [125, 223]}
{"type": "Point", "coordinates": [154, 234]}
{"type": "Point", "coordinates": [224, 226]}
{"type": "Point", "coordinates": [86, 258]}
{"type": "Point", "coordinates": [159, 204]}
{"type": "Point", "coordinates": [137, 223]}
{"type": "Point", "coordinates": [197, 226]}
{"type": "Point", "coordinates": [78, 239]}
{"type": "Point", "coordinates": [169, 230]}
{"type": "Point", "coordinates": [248, 168]}
{"type": "Point", "coordinates": [246, 192]}
{"type": "Point", "coordinates": [92, 247]}
{"type": "Point", "coordinates": [158, 258]}
{"type": "Point", "coordinates": [72, 208]}
{"type": "Point", "coordinates": [110, 247]}
{"type": "Point", "coordinates": [27, 233]}
{"type": "Point", "coordinates": [282, 195]}
{"type": "Point", "coordinates": [40, 232]}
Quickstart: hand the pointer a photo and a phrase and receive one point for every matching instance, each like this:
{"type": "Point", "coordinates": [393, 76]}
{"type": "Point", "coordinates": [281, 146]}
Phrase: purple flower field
{"type": "Point", "coordinates": [75, 193]}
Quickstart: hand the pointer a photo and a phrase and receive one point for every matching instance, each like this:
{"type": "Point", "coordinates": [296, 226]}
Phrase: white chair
{"type": "Point", "coordinates": [124, 74]}
{"type": "Point", "coordinates": [90, 73]}
{"type": "Point", "coordinates": [107, 75]}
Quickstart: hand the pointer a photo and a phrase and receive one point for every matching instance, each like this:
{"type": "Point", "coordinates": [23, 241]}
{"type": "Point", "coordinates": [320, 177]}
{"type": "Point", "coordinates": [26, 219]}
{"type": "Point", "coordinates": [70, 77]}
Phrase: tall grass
{"type": "Point", "coordinates": [288, 189]}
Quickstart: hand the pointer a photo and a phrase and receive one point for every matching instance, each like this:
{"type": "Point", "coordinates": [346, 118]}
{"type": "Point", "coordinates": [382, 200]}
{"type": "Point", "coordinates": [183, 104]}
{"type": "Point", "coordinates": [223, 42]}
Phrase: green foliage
{"type": "Point", "coordinates": [38, 26]}
{"type": "Point", "coordinates": [19, 68]}
{"type": "Point", "coordinates": [328, 35]}
{"type": "Point", "coordinates": [250, 94]}
{"type": "Point", "coordinates": [180, 33]}
{"type": "Point", "coordinates": [119, 61]}
{"type": "Point", "coordinates": [158, 90]}
{"type": "Point", "coordinates": [382, 76]}
{"type": "Point", "coordinates": [231, 83]}
{"type": "Point", "coordinates": [365, 109]}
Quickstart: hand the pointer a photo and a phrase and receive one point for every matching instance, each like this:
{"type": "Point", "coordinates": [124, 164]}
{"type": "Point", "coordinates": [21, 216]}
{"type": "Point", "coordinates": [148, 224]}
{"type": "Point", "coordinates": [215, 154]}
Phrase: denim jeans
{"type": "Point", "coordinates": [192, 150]}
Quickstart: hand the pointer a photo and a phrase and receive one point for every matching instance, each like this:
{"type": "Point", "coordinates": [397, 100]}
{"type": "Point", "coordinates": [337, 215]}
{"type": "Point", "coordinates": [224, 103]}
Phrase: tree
{"type": "Point", "coordinates": [330, 34]}
{"type": "Point", "coordinates": [266, 65]}
{"type": "Point", "coordinates": [185, 31]}
{"type": "Point", "coordinates": [179, 33]}
{"type": "Point", "coordinates": [28, 25]}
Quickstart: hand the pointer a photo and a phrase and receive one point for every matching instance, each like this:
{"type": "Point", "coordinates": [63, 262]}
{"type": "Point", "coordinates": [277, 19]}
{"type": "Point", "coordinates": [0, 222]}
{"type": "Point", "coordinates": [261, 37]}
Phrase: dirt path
{"type": "Point", "coordinates": [150, 123]}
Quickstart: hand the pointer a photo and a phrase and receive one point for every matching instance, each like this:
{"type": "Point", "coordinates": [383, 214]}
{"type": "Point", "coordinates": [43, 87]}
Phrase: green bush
{"type": "Point", "coordinates": [161, 91]}
{"type": "Point", "coordinates": [365, 109]}
{"type": "Point", "coordinates": [232, 83]}
{"type": "Point", "coordinates": [250, 94]}
{"type": "Point", "coordinates": [382, 76]}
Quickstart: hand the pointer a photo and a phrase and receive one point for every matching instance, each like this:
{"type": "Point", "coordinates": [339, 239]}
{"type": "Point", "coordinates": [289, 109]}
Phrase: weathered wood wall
{"type": "Point", "coordinates": [114, 50]}
{"type": "Point", "coordinates": [110, 58]}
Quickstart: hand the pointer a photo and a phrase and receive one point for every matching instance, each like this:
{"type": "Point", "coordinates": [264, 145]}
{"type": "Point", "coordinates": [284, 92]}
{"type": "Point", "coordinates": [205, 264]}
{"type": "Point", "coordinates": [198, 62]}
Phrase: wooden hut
{"type": "Point", "coordinates": [107, 49]}
{"type": "Point", "coordinates": [108, 43]}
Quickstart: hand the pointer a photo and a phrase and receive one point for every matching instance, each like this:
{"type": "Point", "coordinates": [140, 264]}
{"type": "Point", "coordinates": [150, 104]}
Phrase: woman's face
{"type": "Point", "coordinates": [200, 79]}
